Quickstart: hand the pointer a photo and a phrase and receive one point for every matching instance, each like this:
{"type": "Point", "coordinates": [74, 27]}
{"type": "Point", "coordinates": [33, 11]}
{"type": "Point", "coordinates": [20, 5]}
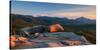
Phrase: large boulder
{"type": "Point", "coordinates": [57, 39]}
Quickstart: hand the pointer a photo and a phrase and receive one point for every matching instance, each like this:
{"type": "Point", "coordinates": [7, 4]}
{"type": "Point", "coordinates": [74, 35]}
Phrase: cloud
{"type": "Point", "coordinates": [89, 12]}
{"type": "Point", "coordinates": [72, 15]}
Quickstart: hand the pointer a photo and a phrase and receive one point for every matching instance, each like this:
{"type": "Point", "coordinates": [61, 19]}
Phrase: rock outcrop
{"type": "Point", "coordinates": [57, 39]}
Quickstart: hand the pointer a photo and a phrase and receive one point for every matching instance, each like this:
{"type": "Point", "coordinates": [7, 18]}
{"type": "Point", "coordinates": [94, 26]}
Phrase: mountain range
{"type": "Point", "coordinates": [50, 20]}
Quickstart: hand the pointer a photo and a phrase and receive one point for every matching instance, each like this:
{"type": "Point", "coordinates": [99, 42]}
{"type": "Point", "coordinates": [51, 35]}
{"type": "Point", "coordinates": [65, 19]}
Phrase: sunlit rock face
{"type": "Point", "coordinates": [55, 44]}
{"type": "Point", "coordinates": [56, 28]}
{"type": "Point", "coordinates": [12, 41]}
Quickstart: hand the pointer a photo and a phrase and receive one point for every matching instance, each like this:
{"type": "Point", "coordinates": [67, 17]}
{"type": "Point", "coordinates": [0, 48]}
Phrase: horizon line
{"type": "Point", "coordinates": [55, 16]}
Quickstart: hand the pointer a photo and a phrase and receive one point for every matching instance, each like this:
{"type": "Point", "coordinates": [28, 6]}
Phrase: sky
{"type": "Point", "coordinates": [36, 9]}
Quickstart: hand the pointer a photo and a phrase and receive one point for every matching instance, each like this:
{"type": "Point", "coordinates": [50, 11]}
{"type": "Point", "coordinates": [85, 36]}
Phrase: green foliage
{"type": "Point", "coordinates": [80, 33]}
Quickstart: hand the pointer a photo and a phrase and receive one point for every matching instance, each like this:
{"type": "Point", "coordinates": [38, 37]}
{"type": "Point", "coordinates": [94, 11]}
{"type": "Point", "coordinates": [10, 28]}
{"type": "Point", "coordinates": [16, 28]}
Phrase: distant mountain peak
{"type": "Point", "coordinates": [82, 18]}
